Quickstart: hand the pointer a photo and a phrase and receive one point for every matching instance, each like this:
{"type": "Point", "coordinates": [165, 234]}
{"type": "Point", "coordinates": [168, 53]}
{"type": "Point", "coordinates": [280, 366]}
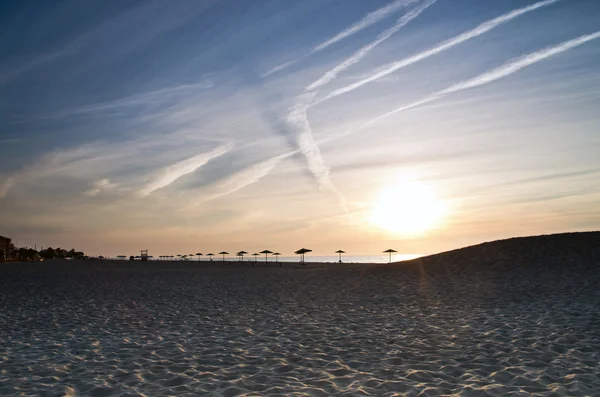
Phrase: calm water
{"type": "Point", "coordinates": [383, 258]}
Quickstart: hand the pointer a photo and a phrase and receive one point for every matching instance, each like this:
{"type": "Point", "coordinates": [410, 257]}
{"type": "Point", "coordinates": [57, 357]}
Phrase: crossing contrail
{"type": "Point", "coordinates": [476, 32]}
{"type": "Point", "coordinates": [498, 73]}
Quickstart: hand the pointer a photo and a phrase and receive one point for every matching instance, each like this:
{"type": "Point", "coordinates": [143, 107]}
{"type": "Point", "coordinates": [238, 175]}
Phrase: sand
{"type": "Point", "coordinates": [431, 327]}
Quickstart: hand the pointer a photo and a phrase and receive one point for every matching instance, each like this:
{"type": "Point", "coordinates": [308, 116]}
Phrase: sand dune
{"type": "Point", "coordinates": [510, 318]}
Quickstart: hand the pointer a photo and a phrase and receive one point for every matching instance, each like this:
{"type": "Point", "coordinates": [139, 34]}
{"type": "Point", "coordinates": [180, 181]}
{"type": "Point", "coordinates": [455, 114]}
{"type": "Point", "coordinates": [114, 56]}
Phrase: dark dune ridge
{"type": "Point", "coordinates": [555, 251]}
{"type": "Point", "coordinates": [508, 318]}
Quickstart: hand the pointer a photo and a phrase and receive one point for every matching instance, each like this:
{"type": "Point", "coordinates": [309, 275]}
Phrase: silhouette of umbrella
{"type": "Point", "coordinates": [302, 251]}
{"type": "Point", "coordinates": [241, 254]}
{"type": "Point", "coordinates": [210, 255]}
{"type": "Point", "coordinates": [389, 251]}
{"type": "Point", "coordinates": [266, 252]}
{"type": "Point", "coordinates": [276, 254]}
{"type": "Point", "coordinates": [223, 253]}
{"type": "Point", "coordinates": [255, 255]}
{"type": "Point", "coordinates": [340, 252]}
{"type": "Point", "coordinates": [198, 254]}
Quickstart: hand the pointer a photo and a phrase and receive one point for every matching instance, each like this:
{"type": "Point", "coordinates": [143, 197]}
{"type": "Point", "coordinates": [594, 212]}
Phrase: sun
{"type": "Point", "coordinates": [407, 208]}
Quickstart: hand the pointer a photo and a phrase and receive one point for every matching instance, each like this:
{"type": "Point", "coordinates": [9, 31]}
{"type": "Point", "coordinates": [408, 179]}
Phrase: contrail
{"type": "Point", "coordinates": [175, 171]}
{"type": "Point", "coordinates": [368, 20]}
{"type": "Point", "coordinates": [478, 31]}
{"type": "Point", "coordinates": [362, 52]}
{"type": "Point", "coordinates": [297, 117]}
{"type": "Point", "coordinates": [298, 120]}
{"type": "Point", "coordinates": [243, 178]}
{"type": "Point", "coordinates": [282, 66]}
{"type": "Point", "coordinates": [498, 73]}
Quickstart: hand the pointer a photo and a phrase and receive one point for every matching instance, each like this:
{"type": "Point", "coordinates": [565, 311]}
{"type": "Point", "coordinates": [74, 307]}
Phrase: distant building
{"type": "Point", "coordinates": [4, 248]}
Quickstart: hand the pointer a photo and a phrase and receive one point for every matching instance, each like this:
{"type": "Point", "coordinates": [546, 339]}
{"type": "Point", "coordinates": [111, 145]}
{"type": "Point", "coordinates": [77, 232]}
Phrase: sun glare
{"type": "Point", "coordinates": [407, 208]}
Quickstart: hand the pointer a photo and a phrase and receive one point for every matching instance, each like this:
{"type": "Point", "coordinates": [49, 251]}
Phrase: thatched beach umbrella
{"type": "Point", "coordinates": [302, 251]}
{"type": "Point", "coordinates": [255, 255]}
{"type": "Point", "coordinates": [266, 252]}
{"type": "Point", "coordinates": [276, 254]}
{"type": "Point", "coordinates": [210, 255]}
{"type": "Point", "coordinates": [223, 253]}
{"type": "Point", "coordinates": [340, 252]}
{"type": "Point", "coordinates": [389, 251]}
{"type": "Point", "coordinates": [198, 254]}
{"type": "Point", "coordinates": [241, 254]}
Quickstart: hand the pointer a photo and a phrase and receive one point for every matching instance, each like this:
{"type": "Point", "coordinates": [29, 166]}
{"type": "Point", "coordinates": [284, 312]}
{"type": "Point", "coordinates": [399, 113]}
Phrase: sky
{"type": "Point", "coordinates": [202, 126]}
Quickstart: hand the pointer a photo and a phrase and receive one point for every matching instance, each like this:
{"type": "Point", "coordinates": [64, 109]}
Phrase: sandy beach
{"type": "Point", "coordinates": [513, 318]}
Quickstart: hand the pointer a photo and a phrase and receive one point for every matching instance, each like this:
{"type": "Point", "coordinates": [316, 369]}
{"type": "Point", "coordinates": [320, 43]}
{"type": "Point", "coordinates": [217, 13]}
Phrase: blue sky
{"type": "Point", "coordinates": [186, 126]}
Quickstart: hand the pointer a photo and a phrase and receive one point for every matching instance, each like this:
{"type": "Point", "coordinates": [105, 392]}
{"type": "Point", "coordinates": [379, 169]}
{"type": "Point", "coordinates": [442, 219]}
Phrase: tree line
{"type": "Point", "coordinates": [25, 254]}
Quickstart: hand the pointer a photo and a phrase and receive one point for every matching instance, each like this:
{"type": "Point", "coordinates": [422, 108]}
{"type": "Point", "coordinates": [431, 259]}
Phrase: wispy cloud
{"type": "Point", "coordinates": [99, 186]}
{"type": "Point", "coordinates": [146, 28]}
{"type": "Point", "coordinates": [7, 75]}
{"type": "Point", "coordinates": [478, 31]}
{"type": "Point", "coordinates": [175, 171]}
{"type": "Point", "coordinates": [5, 186]}
{"type": "Point", "coordinates": [156, 97]}
{"type": "Point", "coordinates": [497, 73]}
{"type": "Point", "coordinates": [368, 20]}
{"type": "Point", "coordinates": [67, 162]}
{"type": "Point", "coordinates": [241, 179]}
{"type": "Point", "coordinates": [126, 162]}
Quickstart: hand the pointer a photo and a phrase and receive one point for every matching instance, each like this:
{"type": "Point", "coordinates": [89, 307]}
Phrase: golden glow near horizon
{"type": "Point", "coordinates": [407, 208]}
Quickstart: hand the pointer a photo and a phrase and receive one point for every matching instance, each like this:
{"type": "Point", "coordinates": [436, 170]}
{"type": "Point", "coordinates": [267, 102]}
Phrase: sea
{"type": "Point", "coordinates": [383, 258]}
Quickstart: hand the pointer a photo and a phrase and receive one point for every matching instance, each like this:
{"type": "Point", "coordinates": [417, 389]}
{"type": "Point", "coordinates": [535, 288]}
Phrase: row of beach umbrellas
{"type": "Point", "coordinates": [241, 254]}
